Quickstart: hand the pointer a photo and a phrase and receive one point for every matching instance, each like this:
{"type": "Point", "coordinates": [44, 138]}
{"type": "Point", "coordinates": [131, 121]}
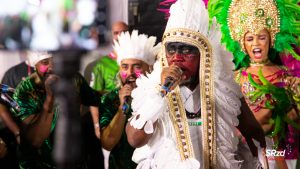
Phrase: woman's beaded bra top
{"type": "Point", "coordinates": [276, 79]}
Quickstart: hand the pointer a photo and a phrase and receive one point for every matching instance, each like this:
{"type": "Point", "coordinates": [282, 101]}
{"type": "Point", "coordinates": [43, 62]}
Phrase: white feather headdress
{"type": "Point", "coordinates": [136, 46]}
{"type": "Point", "coordinates": [186, 14]}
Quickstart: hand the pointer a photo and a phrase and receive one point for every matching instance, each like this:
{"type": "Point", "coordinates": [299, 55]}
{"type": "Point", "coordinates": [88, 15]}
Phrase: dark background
{"type": "Point", "coordinates": [148, 19]}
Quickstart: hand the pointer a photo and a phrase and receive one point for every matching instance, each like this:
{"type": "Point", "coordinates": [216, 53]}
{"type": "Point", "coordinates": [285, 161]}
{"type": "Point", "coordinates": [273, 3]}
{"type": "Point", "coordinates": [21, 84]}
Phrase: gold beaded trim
{"type": "Point", "coordinates": [183, 35]}
{"type": "Point", "coordinates": [206, 92]}
{"type": "Point", "coordinates": [178, 117]}
{"type": "Point", "coordinates": [207, 96]}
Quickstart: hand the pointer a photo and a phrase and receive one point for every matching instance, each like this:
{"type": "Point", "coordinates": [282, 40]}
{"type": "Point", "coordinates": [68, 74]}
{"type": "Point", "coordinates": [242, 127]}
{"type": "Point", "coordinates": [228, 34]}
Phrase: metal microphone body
{"type": "Point", "coordinates": [127, 100]}
{"type": "Point", "coordinates": [126, 104]}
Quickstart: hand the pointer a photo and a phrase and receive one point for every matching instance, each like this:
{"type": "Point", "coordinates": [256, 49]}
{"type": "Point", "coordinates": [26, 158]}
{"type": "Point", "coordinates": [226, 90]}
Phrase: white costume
{"type": "Point", "coordinates": [177, 141]}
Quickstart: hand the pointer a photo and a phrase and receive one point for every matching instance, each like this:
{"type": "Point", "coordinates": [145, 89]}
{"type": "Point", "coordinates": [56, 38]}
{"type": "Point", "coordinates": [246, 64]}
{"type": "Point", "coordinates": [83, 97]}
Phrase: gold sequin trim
{"type": "Point", "coordinates": [253, 16]}
{"type": "Point", "coordinates": [207, 96]}
{"type": "Point", "coordinates": [178, 117]}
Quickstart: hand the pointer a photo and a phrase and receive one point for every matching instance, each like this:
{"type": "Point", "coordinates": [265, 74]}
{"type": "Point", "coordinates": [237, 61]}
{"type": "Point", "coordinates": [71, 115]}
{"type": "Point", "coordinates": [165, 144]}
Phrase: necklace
{"type": "Point", "coordinates": [193, 115]}
{"type": "Point", "coordinates": [267, 62]}
{"type": "Point", "coordinates": [270, 78]}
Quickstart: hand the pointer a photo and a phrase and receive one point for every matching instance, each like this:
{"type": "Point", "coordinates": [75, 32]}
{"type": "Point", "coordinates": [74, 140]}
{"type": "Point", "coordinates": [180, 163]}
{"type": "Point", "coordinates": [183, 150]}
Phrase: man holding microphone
{"type": "Point", "coordinates": [136, 54]}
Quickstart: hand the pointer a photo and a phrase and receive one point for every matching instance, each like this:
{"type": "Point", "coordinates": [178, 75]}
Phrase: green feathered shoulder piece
{"type": "Point", "coordinates": [219, 10]}
{"type": "Point", "coordinates": [235, 17]}
{"type": "Point", "coordinates": [280, 103]}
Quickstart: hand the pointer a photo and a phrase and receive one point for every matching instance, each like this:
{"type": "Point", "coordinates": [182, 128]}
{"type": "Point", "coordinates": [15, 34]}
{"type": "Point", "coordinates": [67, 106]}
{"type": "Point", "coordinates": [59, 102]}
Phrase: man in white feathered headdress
{"type": "Point", "coordinates": [185, 111]}
{"type": "Point", "coordinates": [136, 54]}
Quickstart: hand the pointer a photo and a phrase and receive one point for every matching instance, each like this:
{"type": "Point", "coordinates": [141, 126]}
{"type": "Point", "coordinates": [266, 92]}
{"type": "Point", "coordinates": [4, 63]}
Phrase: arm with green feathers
{"type": "Point", "coordinates": [280, 104]}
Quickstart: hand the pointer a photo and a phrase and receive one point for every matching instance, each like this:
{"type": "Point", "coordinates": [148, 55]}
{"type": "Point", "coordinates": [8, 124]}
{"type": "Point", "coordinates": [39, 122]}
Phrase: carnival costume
{"type": "Point", "coordinates": [128, 46]}
{"type": "Point", "coordinates": [205, 137]}
{"type": "Point", "coordinates": [270, 90]}
{"type": "Point", "coordinates": [30, 96]}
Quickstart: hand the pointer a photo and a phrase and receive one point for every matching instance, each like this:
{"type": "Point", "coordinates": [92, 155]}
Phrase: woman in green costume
{"type": "Point", "coordinates": [255, 31]}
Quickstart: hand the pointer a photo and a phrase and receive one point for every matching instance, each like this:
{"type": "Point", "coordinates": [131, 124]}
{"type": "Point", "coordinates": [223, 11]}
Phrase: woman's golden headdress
{"type": "Point", "coordinates": [237, 17]}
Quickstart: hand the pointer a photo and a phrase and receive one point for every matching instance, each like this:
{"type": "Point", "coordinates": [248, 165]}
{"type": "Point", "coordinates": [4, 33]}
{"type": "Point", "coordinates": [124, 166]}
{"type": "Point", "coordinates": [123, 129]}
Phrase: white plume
{"type": "Point", "coordinates": [136, 46]}
{"type": "Point", "coordinates": [186, 14]}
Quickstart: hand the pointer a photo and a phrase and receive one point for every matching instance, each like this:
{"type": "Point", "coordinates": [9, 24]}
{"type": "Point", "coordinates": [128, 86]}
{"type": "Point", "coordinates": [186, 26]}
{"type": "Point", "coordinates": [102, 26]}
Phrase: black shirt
{"type": "Point", "coordinates": [16, 74]}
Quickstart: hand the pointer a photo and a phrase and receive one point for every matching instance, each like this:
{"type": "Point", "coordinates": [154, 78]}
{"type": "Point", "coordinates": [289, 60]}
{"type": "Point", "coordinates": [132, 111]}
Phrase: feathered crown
{"type": "Point", "coordinates": [185, 25]}
{"type": "Point", "coordinates": [136, 46]}
{"type": "Point", "coordinates": [237, 17]}
{"type": "Point", "coordinates": [253, 16]}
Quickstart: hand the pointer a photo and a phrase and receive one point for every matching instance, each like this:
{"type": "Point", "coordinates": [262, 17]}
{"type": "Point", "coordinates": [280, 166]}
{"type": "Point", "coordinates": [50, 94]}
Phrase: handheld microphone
{"type": "Point", "coordinates": [5, 89]}
{"type": "Point", "coordinates": [127, 100]}
{"type": "Point", "coordinates": [169, 82]}
{"type": "Point", "coordinates": [165, 89]}
{"type": "Point", "coordinates": [126, 104]}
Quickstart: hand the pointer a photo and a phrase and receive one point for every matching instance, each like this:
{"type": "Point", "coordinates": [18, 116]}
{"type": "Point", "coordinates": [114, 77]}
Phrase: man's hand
{"type": "Point", "coordinates": [124, 91]}
{"type": "Point", "coordinates": [173, 72]}
{"type": "Point", "coordinates": [49, 82]}
{"type": "Point", "coordinates": [97, 130]}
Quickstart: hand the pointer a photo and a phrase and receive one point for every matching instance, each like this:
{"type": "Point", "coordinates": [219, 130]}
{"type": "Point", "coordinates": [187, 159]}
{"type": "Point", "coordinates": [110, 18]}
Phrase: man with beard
{"type": "Point", "coordinates": [103, 76]}
{"type": "Point", "coordinates": [39, 111]}
{"type": "Point", "coordinates": [136, 54]}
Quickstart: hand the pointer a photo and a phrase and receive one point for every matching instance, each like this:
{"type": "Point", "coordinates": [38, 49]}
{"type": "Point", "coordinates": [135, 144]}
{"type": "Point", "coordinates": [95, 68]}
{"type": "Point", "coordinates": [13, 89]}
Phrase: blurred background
{"type": "Point", "coordinates": [70, 24]}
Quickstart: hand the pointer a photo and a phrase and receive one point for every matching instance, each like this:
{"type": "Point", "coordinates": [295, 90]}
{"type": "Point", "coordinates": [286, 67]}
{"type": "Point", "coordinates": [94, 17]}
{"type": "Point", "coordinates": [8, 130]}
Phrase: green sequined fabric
{"type": "Point", "coordinates": [30, 98]}
{"type": "Point", "coordinates": [120, 156]}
